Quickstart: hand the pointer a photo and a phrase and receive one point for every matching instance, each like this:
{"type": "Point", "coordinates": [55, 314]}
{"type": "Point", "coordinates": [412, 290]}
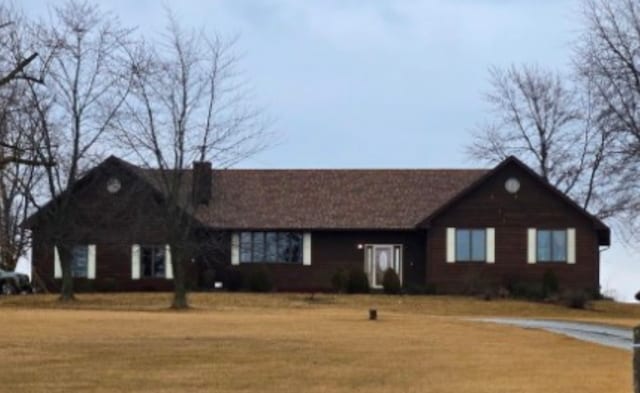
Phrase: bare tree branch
{"type": "Point", "coordinates": [18, 72]}
{"type": "Point", "coordinates": [552, 127]}
{"type": "Point", "coordinates": [187, 104]}
{"type": "Point", "coordinates": [84, 57]}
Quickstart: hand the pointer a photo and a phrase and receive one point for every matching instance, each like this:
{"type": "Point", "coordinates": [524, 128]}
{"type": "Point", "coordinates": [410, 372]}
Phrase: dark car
{"type": "Point", "coordinates": [12, 283]}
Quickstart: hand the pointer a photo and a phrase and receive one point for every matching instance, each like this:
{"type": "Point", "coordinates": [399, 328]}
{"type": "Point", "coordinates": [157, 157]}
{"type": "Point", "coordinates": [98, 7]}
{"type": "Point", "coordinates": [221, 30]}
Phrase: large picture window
{"type": "Point", "coordinates": [152, 261]}
{"type": "Point", "coordinates": [471, 245]}
{"type": "Point", "coordinates": [271, 247]}
{"type": "Point", "coordinates": [551, 246]}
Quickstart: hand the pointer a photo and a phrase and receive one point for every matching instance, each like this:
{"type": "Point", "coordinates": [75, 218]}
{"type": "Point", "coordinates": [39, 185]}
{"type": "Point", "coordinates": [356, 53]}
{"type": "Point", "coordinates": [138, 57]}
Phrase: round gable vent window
{"type": "Point", "coordinates": [512, 185]}
{"type": "Point", "coordinates": [113, 185]}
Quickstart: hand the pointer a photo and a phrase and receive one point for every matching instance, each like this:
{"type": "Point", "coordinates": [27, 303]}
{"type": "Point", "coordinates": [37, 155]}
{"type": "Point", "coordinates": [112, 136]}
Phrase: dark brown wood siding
{"type": "Point", "coordinates": [113, 222]}
{"type": "Point", "coordinates": [334, 250]}
{"type": "Point", "coordinates": [511, 215]}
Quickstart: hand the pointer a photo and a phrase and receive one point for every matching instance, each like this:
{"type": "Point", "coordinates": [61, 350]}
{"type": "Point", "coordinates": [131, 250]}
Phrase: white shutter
{"type": "Point", "coordinates": [571, 245]}
{"type": "Point", "coordinates": [235, 248]}
{"type": "Point", "coordinates": [491, 245]}
{"type": "Point", "coordinates": [368, 260]}
{"type": "Point", "coordinates": [168, 264]}
{"type": "Point", "coordinates": [91, 262]}
{"type": "Point", "coordinates": [306, 249]}
{"type": "Point", "coordinates": [135, 262]}
{"type": "Point", "coordinates": [57, 266]}
{"type": "Point", "coordinates": [397, 261]}
{"type": "Point", "coordinates": [531, 245]}
{"type": "Point", "coordinates": [451, 245]}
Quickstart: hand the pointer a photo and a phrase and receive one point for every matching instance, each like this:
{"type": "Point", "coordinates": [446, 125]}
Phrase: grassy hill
{"type": "Point", "coordinates": [286, 343]}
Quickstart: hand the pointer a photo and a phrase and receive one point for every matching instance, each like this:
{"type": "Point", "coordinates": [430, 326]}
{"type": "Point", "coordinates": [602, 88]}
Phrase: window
{"type": "Point", "coordinates": [152, 260]}
{"type": "Point", "coordinates": [551, 246]}
{"type": "Point", "coordinates": [271, 247]}
{"type": "Point", "coordinates": [245, 247]}
{"type": "Point", "coordinates": [79, 261]}
{"type": "Point", "coordinates": [471, 245]}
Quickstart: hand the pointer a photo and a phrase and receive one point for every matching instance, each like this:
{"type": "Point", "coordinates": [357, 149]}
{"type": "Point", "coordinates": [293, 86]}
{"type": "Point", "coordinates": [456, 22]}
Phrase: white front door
{"type": "Point", "coordinates": [379, 258]}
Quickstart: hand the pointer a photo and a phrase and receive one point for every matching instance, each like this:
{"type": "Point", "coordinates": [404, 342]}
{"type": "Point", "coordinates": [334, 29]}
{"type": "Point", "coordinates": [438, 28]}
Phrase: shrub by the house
{"type": "Point", "coordinates": [339, 280]}
{"type": "Point", "coordinates": [529, 290]}
{"type": "Point", "coordinates": [575, 299]}
{"type": "Point", "coordinates": [391, 282]}
{"type": "Point", "coordinates": [358, 281]}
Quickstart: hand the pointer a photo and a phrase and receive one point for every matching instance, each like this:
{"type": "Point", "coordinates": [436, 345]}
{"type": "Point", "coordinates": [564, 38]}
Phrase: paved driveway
{"type": "Point", "coordinates": [596, 333]}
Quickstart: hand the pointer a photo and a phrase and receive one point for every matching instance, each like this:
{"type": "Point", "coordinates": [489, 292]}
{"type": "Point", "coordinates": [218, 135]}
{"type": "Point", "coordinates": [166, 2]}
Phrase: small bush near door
{"type": "Point", "coordinates": [391, 282]}
{"type": "Point", "coordinates": [358, 281]}
{"type": "Point", "coordinates": [339, 280]}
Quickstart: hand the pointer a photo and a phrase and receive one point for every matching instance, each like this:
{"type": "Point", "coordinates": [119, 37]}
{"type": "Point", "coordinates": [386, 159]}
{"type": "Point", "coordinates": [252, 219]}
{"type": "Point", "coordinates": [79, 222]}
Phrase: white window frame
{"type": "Point", "coordinates": [532, 246]}
{"type": "Point", "coordinates": [490, 244]}
{"type": "Point", "coordinates": [136, 262]}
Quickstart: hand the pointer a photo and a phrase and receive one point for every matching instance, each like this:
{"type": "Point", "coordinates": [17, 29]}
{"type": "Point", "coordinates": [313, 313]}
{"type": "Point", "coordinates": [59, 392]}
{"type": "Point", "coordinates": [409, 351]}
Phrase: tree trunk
{"type": "Point", "coordinates": [66, 291]}
{"type": "Point", "coordinates": [179, 281]}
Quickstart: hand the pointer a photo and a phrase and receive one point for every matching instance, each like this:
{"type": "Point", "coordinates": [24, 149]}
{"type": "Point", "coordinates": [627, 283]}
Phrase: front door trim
{"type": "Point", "coordinates": [370, 261]}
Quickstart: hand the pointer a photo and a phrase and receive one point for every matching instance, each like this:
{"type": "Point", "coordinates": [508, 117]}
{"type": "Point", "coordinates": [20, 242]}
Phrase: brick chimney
{"type": "Point", "coordinates": [201, 191]}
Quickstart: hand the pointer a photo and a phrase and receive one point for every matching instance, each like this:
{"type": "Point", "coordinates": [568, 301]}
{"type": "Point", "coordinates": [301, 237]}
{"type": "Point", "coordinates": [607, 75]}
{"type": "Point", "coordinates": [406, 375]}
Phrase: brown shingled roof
{"type": "Point", "coordinates": [328, 198]}
{"type": "Point", "coordinates": [331, 199]}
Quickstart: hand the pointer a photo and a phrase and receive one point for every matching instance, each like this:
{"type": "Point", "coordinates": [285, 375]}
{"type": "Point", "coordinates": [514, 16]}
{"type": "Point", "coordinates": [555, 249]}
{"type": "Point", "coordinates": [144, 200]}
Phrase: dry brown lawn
{"type": "Point", "coordinates": [284, 343]}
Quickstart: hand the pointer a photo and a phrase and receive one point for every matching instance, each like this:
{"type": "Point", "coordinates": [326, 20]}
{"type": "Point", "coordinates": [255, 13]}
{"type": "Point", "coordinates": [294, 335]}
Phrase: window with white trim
{"type": "Point", "coordinates": [271, 247]}
{"type": "Point", "coordinates": [551, 245]}
{"type": "Point", "coordinates": [471, 245]}
{"type": "Point", "coordinates": [153, 261]}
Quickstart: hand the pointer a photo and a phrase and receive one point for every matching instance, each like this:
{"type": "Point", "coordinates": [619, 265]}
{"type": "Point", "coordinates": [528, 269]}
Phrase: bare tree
{"type": "Point", "coordinates": [14, 64]}
{"type": "Point", "coordinates": [83, 55]}
{"type": "Point", "coordinates": [18, 158]}
{"type": "Point", "coordinates": [18, 177]}
{"type": "Point", "coordinates": [188, 104]}
{"type": "Point", "coordinates": [16, 53]}
{"type": "Point", "coordinates": [553, 125]}
{"type": "Point", "coordinates": [608, 55]}
{"type": "Point", "coordinates": [585, 138]}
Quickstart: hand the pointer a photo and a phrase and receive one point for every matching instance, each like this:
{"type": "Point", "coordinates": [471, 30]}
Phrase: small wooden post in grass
{"type": "Point", "coordinates": [373, 314]}
{"type": "Point", "coordinates": [636, 359]}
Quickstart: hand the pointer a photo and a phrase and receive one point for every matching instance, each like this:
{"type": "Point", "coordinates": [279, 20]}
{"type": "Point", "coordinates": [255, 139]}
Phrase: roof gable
{"type": "Point", "coordinates": [108, 167]}
{"type": "Point", "coordinates": [599, 226]}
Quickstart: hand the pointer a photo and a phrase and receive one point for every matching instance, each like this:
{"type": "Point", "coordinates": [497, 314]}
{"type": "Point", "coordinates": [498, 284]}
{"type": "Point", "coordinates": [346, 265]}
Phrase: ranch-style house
{"type": "Point", "coordinates": [439, 227]}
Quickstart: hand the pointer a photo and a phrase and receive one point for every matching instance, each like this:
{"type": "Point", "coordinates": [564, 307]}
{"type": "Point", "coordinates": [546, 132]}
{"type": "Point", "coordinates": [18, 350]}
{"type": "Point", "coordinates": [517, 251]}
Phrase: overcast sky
{"type": "Point", "coordinates": [372, 84]}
